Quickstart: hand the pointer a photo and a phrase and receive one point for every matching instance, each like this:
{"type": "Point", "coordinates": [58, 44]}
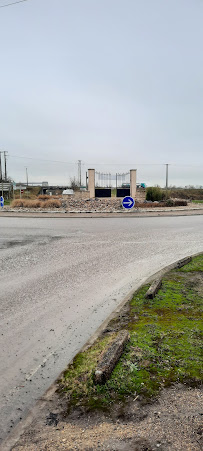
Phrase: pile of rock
{"type": "Point", "coordinates": [92, 205]}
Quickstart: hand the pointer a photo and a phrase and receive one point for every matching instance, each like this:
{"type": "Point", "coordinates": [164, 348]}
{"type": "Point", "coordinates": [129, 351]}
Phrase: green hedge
{"type": "Point", "coordinates": [155, 194]}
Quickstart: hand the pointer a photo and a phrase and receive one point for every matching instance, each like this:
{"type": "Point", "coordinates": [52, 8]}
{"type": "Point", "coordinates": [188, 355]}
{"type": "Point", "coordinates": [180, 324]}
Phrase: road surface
{"type": "Point", "coordinates": [60, 278]}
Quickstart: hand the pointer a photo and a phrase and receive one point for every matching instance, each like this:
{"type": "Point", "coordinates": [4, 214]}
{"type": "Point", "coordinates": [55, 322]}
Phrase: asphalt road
{"type": "Point", "coordinates": [60, 278]}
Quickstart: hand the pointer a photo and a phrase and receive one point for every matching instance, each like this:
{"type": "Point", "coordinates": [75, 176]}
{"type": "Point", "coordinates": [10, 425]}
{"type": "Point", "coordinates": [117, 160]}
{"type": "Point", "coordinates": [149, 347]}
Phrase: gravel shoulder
{"type": "Point", "coordinates": [173, 422]}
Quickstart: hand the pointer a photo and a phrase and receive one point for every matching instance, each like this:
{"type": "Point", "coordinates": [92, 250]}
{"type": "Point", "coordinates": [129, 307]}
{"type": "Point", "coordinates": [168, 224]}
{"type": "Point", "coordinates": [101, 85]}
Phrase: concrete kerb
{"type": "Point", "coordinates": [111, 356]}
{"type": "Point", "coordinates": [153, 289]}
{"type": "Point", "coordinates": [20, 428]}
{"type": "Point", "coordinates": [98, 217]}
{"type": "Point", "coordinates": [118, 214]}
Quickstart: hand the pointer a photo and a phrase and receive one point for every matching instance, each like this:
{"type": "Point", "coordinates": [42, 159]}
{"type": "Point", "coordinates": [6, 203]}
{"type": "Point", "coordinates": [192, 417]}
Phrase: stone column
{"type": "Point", "coordinates": [133, 177]}
{"type": "Point", "coordinates": [91, 182]}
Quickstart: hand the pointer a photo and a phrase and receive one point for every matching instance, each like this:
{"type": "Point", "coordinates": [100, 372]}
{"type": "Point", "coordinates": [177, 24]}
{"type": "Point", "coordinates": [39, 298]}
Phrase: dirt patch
{"type": "Point", "coordinates": [173, 422]}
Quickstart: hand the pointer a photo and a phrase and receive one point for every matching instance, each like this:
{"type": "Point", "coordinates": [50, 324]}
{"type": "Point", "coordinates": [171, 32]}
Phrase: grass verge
{"type": "Point", "coordinates": [197, 201]}
{"type": "Point", "coordinates": [165, 344]}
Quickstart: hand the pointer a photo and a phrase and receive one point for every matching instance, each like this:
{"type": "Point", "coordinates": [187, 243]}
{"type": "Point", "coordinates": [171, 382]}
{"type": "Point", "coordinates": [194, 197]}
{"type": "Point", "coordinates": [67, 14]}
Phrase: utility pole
{"type": "Point", "coordinates": [79, 172]}
{"type": "Point", "coordinates": [166, 180]}
{"type": "Point", "coordinates": [86, 181]}
{"type": "Point", "coordinates": [26, 176]}
{"type": "Point", "coordinates": [5, 165]}
{"type": "Point", "coordinates": [0, 167]}
{"type": "Point", "coordinates": [1, 175]}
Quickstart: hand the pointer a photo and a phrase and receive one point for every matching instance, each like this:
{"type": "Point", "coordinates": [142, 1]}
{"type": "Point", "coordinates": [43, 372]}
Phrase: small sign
{"type": "Point", "coordinates": [2, 201]}
{"type": "Point", "coordinates": [128, 202]}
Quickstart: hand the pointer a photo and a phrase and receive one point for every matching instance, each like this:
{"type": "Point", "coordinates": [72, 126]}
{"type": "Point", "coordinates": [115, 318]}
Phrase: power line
{"type": "Point", "coordinates": [145, 164]}
{"type": "Point", "coordinates": [106, 164]}
{"type": "Point", "coordinates": [13, 3]}
{"type": "Point", "coordinates": [41, 159]}
{"type": "Point", "coordinates": [93, 164]}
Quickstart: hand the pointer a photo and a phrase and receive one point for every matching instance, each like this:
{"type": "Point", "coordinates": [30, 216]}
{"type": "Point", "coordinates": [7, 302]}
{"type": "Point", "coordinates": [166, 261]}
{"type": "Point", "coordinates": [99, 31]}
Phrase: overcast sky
{"type": "Point", "coordinates": [115, 83]}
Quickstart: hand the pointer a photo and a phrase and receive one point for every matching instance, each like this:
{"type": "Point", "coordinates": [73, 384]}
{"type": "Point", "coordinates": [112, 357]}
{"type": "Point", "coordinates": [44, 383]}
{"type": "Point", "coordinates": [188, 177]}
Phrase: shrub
{"type": "Point", "coordinates": [180, 203]}
{"type": "Point", "coordinates": [175, 203]}
{"type": "Point", "coordinates": [167, 203]}
{"type": "Point", "coordinates": [170, 203]}
{"type": "Point", "coordinates": [26, 203]}
{"type": "Point", "coordinates": [154, 193]}
{"type": "Point", "coordinates": [51, 203]}
{"type": "Point", "coordinates": [43, 197]}
{"type": "Point", "coordinates": [17, 203]}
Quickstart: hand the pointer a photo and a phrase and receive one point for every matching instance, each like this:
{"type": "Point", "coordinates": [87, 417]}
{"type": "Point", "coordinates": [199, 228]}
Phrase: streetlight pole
{"type": "Point", "coordinates": [79, 173]}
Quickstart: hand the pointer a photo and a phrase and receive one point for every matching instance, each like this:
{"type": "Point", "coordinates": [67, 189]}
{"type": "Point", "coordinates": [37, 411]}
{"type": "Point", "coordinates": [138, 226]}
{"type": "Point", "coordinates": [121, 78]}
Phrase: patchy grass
{"type": "Point", "coordinates": [78, 379]}
{"type": "Point", "coordinates": [7, 201]}
{"type": "Point", "coordinates": [165, 344]}
{"type": "Point", "coordinates": [197, 201]}
{"type": "Point", "coordinates": [195, 265]}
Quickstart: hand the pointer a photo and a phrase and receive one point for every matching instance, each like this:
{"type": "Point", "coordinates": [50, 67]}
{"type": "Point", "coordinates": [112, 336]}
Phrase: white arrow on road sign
{"type": "Point", "coordinates": [128, 202]}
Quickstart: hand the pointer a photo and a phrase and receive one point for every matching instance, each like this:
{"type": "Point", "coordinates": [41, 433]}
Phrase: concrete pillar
{"type": "Point", "coordinates": [133, 177]}
{"type": "Point", "coordinates": [91, 182]}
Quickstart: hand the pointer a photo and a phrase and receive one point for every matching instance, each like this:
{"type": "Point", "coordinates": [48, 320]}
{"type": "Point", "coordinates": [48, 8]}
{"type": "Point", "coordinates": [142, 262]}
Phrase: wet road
{"type": "Point", "coordinates": [60, 278]}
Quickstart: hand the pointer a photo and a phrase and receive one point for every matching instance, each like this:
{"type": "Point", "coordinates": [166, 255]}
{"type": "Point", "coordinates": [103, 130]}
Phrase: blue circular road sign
{"type": "Point", "coordinates": [128, 202]}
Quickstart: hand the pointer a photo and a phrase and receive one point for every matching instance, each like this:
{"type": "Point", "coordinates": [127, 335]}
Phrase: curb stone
{"type": "Point", "coordinates": [184, 262]}
{"type": "Point", "coordinates": [153, 289]}
{"type": "Point", "coordinates": [110, 358]}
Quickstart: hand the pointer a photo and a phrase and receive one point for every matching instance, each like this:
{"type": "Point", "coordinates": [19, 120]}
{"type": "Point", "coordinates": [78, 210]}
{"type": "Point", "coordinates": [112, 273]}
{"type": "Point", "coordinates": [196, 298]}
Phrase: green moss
{"type": "Point", "coordinates": [165, 344]}
{"type": "Point", "coordinates": [195, 265]}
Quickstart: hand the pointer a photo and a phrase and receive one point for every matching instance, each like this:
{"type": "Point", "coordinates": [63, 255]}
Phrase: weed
{"type": "Point", "coordinates": [51, 203]}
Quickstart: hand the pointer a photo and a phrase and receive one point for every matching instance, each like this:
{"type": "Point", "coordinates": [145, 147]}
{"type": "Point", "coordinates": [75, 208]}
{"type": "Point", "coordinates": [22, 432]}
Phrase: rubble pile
{"type": "Point", "coordinates": [92, 205]}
